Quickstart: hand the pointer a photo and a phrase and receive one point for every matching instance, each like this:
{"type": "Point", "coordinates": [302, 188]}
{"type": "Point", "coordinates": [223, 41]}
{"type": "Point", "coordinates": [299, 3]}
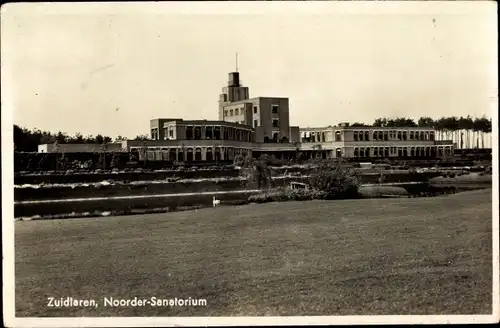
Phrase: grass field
{"type": "Point", "coordinates": [353, 257]}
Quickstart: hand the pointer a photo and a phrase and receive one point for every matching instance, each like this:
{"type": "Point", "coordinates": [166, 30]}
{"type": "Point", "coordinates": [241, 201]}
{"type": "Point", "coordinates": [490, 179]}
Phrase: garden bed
{"type": "Point", "coordinates": [196, 173]}
{"type": "Point", "coordinates": [118, 188]}
{"type": "Point", "coordinates": [97, 176]}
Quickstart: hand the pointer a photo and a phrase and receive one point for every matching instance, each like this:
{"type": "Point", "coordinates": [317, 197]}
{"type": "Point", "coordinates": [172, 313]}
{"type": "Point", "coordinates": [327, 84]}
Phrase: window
{"type": "Point", "coordinates": [412, 136]}
{"type": "Point", "coordinates": [367, 135]}
{"type": "Point", "coordinates": [276, 123]}
{"type": "Point", "coordinates": [275, 109]}
{"type": "Point", "coordinates": [255, 109]}
{"type": "Point", "coordinates": [226, 113]}
{"type": "Point", "coordinates": [236, 111]}
{"type": "Point", "coordinates": [355, 135]}
{"type": "Point", "coordinates": [338, 136]}
{"type": "Point", "coordinates": [361, 134]}
{"type": "Point", "coordinates": [171, 133]}
{"type": "Point", "coordinates": [255, 123]}
{"type": "Point", "coordinates": [230, 112]}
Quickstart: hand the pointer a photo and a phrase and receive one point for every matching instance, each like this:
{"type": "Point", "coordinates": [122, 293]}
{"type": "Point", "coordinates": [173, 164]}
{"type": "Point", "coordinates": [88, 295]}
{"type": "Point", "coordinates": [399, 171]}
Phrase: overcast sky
{"type": "Point", "coordinates": [110, 68]}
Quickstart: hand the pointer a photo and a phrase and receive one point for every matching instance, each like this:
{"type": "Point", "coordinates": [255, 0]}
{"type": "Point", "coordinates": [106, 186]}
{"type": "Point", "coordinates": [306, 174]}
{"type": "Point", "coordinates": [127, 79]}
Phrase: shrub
{"type": "Point", "coordinates": [335, 179]}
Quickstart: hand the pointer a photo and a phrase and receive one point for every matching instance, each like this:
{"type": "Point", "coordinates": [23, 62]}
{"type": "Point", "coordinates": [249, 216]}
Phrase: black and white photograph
{"type": "Point", "coordinates": [249, 163]}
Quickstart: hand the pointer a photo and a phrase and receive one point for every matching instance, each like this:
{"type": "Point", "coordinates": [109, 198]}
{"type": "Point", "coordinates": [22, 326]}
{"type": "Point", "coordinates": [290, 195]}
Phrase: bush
{"type": "Point", "coordinates": [335, 179]}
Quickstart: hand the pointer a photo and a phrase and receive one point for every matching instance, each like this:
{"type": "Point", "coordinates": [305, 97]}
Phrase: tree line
{"type": "Point", "coordinates": [470, 130]}
{"type": "Point", "coordinates": [28, 140]}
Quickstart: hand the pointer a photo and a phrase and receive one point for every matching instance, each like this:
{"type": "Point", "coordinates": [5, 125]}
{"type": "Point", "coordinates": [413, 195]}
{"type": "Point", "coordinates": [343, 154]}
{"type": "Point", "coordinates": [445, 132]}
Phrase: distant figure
{"type": "Point", "coordinates": [216, 201]}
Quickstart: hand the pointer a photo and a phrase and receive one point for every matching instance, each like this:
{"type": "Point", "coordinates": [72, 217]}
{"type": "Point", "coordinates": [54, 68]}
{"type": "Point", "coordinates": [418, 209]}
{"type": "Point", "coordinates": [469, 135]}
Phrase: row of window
{"type": "Point", "coordinates": [375, 135]}
{"type": "Point", "coordinates": [235, 112]}
{"type": "Point", "coordinates": [218, 133]}
{"type": "Point", "coordinates": [241, 111]}
{"type": "Point", "coordinates": [193, 154]}
{"type": "Point", "coordinates": [400, 151]}
{"type": "Point", "coordinates": [208, 133]}
{"type": "Point", "coordinates": [319, 136]}
{"type": "Point", "coordinates": [394, 135]}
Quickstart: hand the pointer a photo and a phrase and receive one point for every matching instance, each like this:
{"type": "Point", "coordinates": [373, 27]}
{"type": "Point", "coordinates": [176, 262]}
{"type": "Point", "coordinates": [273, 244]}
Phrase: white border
{"type": "Point", "coordinates": [238, 8]}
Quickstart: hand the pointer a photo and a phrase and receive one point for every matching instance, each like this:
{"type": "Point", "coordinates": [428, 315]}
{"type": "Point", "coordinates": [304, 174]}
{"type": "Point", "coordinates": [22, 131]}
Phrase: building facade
{"type": "Point", "coordinates": [261, 125]}
{"type": "Point", "coordinates": [374, 142]}
{"type": "Point", "coordinates": [268, 116]}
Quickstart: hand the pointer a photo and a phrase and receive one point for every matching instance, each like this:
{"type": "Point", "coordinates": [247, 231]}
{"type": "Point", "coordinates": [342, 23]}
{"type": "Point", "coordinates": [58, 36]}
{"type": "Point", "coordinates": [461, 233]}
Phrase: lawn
{"type": "Point", "coordinates": [352, 257]}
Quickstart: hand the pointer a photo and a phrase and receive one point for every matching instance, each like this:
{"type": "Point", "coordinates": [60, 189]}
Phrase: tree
{"type": "Point", "coordinates": [483, 126]}
{"type": "Point", "coordinates": [142, 137]}
{"type": "Point", "coordinates": [426, 122]}
{"type": "Point", "coordinates": [476, 128]}
{"type": "Point", "coordinates": [257, 171]}
{"type": "Point", "coordinates": [380, 122]}
{"type": "Point", "coordinates": [404, 122]}
{"type": "Point", "coordinates": [335, 179]}
{"type": "Point", "coordinates": [115, 161]}
{"type": "Point", "coordinates": [89, 139]}
{"type": "Point", "coordinates": [453, 125]}
{"type": "Point", "coordinates": [99, 139]}
{"type": "Point", "coordinates": [468, 125]}
{"type": "Point", "coordinates": [120, 138]}
{"type": "Point", "coordinates": [439, 127]}
{"type": "Point", "coordinates": [61, 137]}
{"type": "Point", "coordinates": [357, 124]}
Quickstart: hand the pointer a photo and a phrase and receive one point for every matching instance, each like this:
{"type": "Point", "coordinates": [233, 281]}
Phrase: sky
{"type": "Point", "coordinates": [110, 68]}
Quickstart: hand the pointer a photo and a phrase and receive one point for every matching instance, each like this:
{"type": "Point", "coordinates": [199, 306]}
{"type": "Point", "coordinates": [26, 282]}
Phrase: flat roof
{"type": "Point", "coordinates": [368, 128]}
{"type": "Point", "coordinates": [210, 122]}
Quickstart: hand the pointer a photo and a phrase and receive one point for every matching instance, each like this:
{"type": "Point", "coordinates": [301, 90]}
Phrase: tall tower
{"type": "Point", "coordinates": [233, 92]}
